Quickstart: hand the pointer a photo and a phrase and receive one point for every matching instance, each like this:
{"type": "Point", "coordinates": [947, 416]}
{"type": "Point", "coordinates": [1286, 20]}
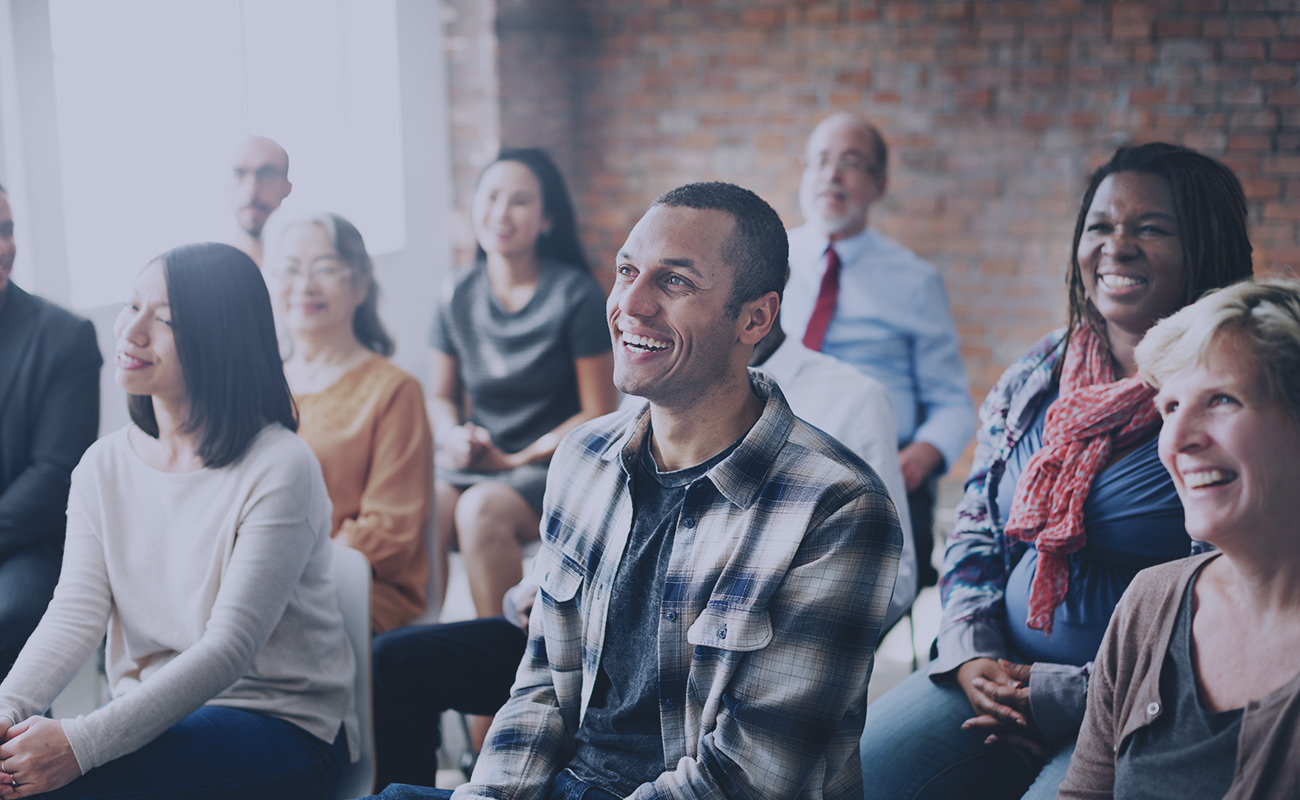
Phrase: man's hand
{"type": "Point", "coordinates": [519, 606]}
{"type": "Point", "coordinates": [37, 757]}
{"type": "Point", "coordinates": [999, 693]}
{"type": "Point", "coordinates": [919, 461]}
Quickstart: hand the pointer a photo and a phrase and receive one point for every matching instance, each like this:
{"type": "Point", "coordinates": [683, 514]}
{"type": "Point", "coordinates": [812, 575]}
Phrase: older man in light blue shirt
{"type": "Point", "coordinates": [867, 300]}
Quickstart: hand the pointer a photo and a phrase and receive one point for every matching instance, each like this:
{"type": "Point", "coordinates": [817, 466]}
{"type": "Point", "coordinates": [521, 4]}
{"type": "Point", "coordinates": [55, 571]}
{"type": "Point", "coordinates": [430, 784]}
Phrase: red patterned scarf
{"type": "Point", "coordinates": [1094, 414]}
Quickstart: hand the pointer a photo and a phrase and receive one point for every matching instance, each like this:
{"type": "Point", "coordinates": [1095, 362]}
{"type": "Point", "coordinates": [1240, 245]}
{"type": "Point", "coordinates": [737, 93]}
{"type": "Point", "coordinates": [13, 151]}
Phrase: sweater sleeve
{"type": "Point", "coordinates": [1091, 775]}
{"type": "Point", "coordinates": [273, 541]}
{"type": "Point", "coordinates": [395, 501]}
{"type": "Point", "coordinates": [75, 620]}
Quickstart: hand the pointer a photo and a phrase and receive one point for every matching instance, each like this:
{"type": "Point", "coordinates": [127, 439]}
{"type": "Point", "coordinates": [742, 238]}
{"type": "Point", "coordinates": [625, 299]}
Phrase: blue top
{"type": "Point", "coordinates": [1133, 519]}
{"type": "Point", "coordinates": [891, 321]}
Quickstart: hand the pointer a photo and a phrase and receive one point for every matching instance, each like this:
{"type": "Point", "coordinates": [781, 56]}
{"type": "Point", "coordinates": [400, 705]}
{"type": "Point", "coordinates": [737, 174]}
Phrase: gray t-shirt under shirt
{"type": "Point", "coordinates": [517, 367]}
{"type": "Point", "coordinates": [620, 744]}
{"type": "Point", "coordinates": [1188, 751]}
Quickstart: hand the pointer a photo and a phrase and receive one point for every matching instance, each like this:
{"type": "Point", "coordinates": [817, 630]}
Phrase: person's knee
{"type": "Point", "coordinates": [445, 499]}
{"type": "Point", "coordinates": [484, 517]}
{"type": "Point", "coordinates": [388, 655]}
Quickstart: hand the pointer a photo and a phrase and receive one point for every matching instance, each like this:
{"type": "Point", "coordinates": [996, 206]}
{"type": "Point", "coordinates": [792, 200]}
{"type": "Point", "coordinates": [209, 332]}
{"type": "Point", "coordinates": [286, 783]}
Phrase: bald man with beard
{"type": "Point", "coordinates": [259, 182]}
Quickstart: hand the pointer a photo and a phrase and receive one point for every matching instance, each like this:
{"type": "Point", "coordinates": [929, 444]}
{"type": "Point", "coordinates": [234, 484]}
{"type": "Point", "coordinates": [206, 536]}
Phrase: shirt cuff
{"type": "Point", "coordinates": [1058, 694]}
{"type": "Point", "coordinates": [963, 641]}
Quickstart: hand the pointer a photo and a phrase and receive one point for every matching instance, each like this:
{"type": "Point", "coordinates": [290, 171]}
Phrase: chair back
{"type": "Point", "coordinates": [352, 580]}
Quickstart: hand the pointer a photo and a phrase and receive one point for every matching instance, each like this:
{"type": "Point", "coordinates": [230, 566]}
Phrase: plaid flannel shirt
{"type": "Point", "coordinates": [780, 573]}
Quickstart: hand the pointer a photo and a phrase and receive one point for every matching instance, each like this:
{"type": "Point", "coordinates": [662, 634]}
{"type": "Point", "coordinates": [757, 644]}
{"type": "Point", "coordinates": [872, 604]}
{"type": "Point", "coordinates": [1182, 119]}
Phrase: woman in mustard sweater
{"type": "Point", "coordinates": [363, 417]}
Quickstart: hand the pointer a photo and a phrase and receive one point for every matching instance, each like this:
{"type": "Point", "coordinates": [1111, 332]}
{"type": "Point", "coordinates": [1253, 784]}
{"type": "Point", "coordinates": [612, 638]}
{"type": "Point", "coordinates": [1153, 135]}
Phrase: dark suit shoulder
{"type": "Point", "coordinates": [58, 328]}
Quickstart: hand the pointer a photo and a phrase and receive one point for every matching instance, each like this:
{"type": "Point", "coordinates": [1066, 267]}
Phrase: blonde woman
{"type": "Point", "coordinates": [1197, 685]}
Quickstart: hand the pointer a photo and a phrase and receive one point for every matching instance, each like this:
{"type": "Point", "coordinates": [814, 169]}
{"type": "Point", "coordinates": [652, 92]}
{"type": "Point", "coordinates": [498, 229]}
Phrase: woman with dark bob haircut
{"type": "Point", "coordinates": [1066, 499]}
{"type": "Point", "coordinates": [522, 334]}
{"type": "Point", "coordinates": [199, 536]}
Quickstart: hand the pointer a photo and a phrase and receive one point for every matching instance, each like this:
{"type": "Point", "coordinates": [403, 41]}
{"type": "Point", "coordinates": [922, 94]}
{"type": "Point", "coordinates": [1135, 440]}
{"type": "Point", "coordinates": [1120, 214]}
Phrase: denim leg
{"type": "Point", "coordinates": [402, 791]}
{"type": "Point", "coordinates": [217, 753]}
{"type": "Point", "coordinates": [566, 786]}
{"type": "Point", "coordinates": [1050, 776]}
{"type": "Point", "coordinates": [913, 747]}
{"type": "Point", "coordinates": [563, 787]}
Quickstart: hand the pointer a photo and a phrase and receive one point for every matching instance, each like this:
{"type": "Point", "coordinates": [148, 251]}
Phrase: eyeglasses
{"type": "Point", "coordinates": [321, 273]}
{"type": "Point", "coordinates": [847, 163]}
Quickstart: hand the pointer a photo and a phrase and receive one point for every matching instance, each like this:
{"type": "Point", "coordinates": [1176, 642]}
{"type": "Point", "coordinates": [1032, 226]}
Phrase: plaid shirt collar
{"type": "Point", "coordinates": [739, 476]}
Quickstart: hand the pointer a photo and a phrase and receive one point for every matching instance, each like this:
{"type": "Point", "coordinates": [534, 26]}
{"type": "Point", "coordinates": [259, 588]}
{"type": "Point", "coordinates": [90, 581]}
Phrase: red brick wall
{"type": "Point", "coordinates": [474, 96]}
{"type": "Point", "coordinates": [995, 112]}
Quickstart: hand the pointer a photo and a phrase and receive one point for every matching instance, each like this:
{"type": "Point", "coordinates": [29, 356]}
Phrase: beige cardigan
{"type": "Point", "coordinates": [1124, 696]}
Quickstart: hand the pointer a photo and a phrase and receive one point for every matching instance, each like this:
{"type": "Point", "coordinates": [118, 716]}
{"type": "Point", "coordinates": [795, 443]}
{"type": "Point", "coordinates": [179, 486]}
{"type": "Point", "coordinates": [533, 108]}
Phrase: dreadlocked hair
{"type": "Point", "coordinates": [1210, 210]}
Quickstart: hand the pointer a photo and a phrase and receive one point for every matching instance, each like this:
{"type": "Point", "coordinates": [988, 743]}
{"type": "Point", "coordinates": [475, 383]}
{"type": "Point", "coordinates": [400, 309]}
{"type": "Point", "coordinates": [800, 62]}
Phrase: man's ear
{"type": "Point", "coordinates": [757, 316]}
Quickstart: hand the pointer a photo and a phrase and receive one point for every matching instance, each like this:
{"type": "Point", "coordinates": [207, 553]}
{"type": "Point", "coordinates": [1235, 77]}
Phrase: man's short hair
{"type": "Point", "coordinates": [757, 248]}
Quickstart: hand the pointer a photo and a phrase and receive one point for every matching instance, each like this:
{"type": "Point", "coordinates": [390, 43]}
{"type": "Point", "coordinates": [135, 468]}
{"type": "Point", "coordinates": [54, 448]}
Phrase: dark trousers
{"type": "Point", "coordinates": [27, 579]}
{"type": "Point", "coordinates": [920, 502]}
{"type": "Point", "coordinates": [424, 670]}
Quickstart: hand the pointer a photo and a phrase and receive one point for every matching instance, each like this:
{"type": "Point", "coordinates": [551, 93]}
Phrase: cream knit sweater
{"type": "Point", "coordinates": [214, 586]}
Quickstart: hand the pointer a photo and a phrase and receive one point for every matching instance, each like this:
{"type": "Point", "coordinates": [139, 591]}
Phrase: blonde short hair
{"type": "Point", "coordinates": [1258, 319]}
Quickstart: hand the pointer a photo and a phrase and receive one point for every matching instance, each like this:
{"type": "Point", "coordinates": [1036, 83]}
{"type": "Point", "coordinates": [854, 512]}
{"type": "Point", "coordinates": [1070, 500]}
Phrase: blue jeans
{"type": "Point", "coordinates": [913, 748]}
{"type": "Point", "coordinates": [218, 753]}
{"type": "Point", "coordinates": [563, 787]}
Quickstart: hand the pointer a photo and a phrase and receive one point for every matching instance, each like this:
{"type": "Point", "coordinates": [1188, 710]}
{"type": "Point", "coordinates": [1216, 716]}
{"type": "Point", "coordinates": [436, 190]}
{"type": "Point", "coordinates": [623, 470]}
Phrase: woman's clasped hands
{"type": "Point", "coordinates": [470, 447]}
{"type": "Point", "coordinates": [35, 757]}
{"type": "Point", "coordinates": [999, 693]}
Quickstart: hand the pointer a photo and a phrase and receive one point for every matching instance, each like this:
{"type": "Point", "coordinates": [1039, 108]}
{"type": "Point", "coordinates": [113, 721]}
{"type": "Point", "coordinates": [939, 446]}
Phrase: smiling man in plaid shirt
{"type": "Point", "coordinates": [714, 571]}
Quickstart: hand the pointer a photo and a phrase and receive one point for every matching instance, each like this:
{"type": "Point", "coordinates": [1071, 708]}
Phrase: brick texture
{"type": "Point", "coordinates": [474, 118]}
{"type": "Point", "coordinates": [995, 113]}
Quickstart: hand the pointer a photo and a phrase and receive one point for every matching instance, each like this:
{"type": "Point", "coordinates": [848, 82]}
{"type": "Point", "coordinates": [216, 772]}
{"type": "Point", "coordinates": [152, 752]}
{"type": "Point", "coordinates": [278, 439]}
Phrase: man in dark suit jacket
{"type": "Point", "coordinates": [49, 415]}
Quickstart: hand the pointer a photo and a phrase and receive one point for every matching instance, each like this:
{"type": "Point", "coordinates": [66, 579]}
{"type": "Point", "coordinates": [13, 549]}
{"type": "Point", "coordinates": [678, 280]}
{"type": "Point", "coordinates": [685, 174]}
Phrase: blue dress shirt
{"type": "Point", "coordinates": [892, 322]}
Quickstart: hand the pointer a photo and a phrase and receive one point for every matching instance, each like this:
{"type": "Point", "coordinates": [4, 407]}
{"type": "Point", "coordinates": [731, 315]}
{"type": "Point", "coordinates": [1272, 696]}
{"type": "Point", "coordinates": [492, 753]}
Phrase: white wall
{"type": "Point", "coordinates": [30, 169]}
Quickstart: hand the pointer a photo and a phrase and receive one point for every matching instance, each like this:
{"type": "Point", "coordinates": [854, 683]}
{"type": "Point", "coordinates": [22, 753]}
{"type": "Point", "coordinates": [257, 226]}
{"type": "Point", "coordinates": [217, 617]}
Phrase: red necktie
{"type": "Point", "coordinates": [824, 309]}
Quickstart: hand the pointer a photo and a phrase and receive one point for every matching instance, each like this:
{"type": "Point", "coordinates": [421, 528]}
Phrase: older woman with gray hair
{"type": "Point", "coordinates": [1195, 692]}
{"type": "Point", "coordinates": [363, 416]}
